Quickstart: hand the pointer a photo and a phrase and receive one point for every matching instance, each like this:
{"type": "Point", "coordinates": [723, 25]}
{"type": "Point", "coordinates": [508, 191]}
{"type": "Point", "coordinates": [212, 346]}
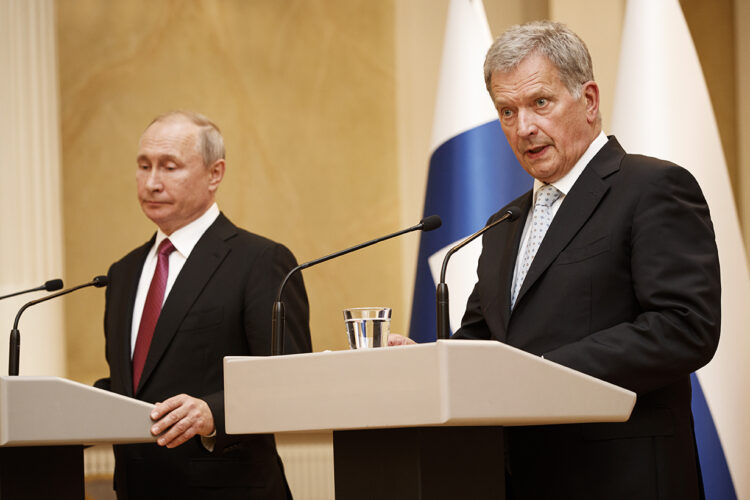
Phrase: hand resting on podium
{"type": "Point", "coordinates": [179, 418]}
{"type": "Point", "coordinates": [395, 339]}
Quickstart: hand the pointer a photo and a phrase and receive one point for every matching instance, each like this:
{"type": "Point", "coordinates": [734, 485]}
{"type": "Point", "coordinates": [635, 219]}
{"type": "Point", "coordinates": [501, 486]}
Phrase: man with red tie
{"type": "Point", "coordinates": [199, 290]}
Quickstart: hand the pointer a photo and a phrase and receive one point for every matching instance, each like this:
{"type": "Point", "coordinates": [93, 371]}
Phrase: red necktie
{"type": "Point", "coordinates": [151, 310]}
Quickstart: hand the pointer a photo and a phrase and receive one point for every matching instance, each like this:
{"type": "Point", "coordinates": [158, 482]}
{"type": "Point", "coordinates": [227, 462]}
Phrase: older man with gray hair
{"type": "Point", "coordinates": [611, 270]}
{"type": "Point", "coordinates": [200, 289]}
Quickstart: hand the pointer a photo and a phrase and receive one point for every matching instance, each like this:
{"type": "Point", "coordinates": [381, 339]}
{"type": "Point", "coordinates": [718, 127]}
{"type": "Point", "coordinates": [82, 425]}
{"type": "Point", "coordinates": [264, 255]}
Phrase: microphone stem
{"type": "Point", "coordinates": [15, 335]}
{"type": "Point", "coordinates": [468, 240]}
{"type": "Point", "coordinates": [442, 299]}
{"type": "Point", "coordinates": [339, 254]}
{"type": "Point", "coordinates": [22, 292]}
{"type": "Point", "coordinates": [443, 311]}
{"type": "Point", "coordinates": [15, 352]}
{"type": "Point", "coordinates": [277, 321]}
{"type": "Point", "coordinates": [45, 298]}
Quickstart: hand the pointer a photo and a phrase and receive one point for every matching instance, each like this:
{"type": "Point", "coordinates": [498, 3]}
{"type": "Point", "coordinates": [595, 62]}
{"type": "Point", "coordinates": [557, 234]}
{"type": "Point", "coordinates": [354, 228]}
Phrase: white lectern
{"type": "Point", "coordinates": [404, 416]}
{"type": "Point", "coordinates": [45, 423]}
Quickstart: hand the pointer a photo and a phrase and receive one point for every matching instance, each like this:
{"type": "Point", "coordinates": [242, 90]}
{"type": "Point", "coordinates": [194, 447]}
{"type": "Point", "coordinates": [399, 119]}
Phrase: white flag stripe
{"type": "Point", "coordinates": [462, 104]}
{"type": "Point", "coordinates": [662, 108]}
{"type": "Point", "coordinates": [460, 107]}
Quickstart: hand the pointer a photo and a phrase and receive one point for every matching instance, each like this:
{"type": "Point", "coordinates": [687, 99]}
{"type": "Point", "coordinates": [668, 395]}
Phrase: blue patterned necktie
{"type": "Point", "coordinates": [540, 221]}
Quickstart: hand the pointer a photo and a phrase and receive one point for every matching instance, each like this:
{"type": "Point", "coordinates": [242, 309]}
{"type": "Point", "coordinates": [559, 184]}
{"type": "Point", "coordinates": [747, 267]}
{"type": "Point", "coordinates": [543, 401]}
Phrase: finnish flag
{"type": "Point", "coordinates": [472, 173]}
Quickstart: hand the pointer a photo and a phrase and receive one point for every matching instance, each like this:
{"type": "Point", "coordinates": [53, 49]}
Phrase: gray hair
{"type": "Point", "coordinates": [564, 49]}
{"type": "Point", "coordinates": [211, 145]}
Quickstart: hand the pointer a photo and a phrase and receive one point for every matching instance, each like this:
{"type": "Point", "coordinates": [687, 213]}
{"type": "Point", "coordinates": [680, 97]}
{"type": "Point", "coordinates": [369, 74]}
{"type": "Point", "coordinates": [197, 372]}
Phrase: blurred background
{"type": "Point", "coordinates": [326, 108]}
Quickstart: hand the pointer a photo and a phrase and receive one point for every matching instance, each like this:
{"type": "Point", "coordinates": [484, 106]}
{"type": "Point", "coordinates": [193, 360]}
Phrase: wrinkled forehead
{"type": "Point", "coordinates": [531, 74]}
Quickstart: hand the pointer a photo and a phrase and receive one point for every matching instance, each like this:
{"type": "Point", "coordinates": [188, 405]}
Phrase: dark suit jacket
{"type": "Point", "coordinates": [624, 287]}
{"type": "Point", "coordinates": [219, 305]}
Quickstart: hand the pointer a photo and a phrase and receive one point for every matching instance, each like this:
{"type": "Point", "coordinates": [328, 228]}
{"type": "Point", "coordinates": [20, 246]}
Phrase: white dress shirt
{"type": "Point", "coordinates": [184, 240]}
{"type": "Point", "coordinates": [564, 185]}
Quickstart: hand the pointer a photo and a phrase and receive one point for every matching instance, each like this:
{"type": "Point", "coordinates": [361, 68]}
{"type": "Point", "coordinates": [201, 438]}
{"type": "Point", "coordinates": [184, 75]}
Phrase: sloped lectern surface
{"type": "Point", "coordinates": [449, 382]}
{"type": "Point", "coordinates": [37, 411]}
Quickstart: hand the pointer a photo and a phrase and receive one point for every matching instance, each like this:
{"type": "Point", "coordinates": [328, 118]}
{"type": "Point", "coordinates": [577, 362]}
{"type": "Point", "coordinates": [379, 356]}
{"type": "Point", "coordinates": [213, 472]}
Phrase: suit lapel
{"type": "Point", "coordinates": [131, 275]}
{"type": "Point", "coordinates": [203, 261]}
{"type": "Point", "coordinates": [575, 210]}
{"type": "Point", "coordinates": [506, 260]}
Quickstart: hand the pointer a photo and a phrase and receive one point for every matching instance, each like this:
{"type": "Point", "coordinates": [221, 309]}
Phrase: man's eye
{"type": "Point", "coordinates": [143, 166]}
{"type": "Point", "coordinates": [541, 101]}
{"type": "Point", "coordinates": [506, 113]}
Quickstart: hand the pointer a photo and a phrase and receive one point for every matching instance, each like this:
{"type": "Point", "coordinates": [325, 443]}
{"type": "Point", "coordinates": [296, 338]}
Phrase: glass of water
{"type": "Point", "coordinates": [367, 326]}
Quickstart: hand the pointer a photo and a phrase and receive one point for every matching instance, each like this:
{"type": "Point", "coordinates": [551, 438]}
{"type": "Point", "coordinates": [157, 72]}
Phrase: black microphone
{"type": "Point", "coordinates": [443, 317]}
{"type": "Point", "coordinates": [50, 286]}
{"type": "Point", "coordinates": [15, 335]}
{"type": "Point", "coordinates": [277, 321]}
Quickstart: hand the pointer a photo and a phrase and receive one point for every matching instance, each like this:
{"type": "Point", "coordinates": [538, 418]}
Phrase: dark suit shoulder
{"type": "Point", "coordinates": [649, 165]}
{"type": "Point", "coordinates": [661, 174]}
{"type": "Point", "coordinates": [250, 243]}
{"type": "Point", "coordinates": [134, 257]}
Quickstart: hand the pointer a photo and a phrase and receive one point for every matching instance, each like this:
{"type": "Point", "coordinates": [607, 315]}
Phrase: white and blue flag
{"type": "Point", "coordinates": [472, 173]}
{"type": "Point", "coordinates": [663, 109]}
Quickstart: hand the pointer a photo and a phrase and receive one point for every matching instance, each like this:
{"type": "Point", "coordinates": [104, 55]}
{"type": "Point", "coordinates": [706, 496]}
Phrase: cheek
{"type": "Point", "coordinates": [510, 134]}
{"type": "Point", "coordinates": [140, 183]}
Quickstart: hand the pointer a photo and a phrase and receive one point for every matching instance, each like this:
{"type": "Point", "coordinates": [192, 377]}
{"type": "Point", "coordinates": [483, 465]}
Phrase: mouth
{"type": "Point", "coordinates": [536, 151]}
{"type": "Point", "coordinates": [153, 203]}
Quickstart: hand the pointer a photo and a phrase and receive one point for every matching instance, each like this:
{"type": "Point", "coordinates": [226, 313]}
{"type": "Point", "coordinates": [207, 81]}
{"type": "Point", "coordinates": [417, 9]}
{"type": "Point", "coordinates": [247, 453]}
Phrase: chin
{"type": "Point", "coordinates": [156, 216]}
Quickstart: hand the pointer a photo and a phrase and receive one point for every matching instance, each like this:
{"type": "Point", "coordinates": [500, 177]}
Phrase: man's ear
{"type": "Point", "coordinates": [216, 173]}
{"type": "Point", "coordinates": [590, 93]}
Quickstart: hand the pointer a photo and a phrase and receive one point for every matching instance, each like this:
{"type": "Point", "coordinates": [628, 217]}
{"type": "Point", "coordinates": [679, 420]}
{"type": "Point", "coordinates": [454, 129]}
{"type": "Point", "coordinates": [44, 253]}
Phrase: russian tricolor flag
{"type": "Point", "coordinates": [473, 171]}
{"type": "Point", "coordinates": [662, 108]}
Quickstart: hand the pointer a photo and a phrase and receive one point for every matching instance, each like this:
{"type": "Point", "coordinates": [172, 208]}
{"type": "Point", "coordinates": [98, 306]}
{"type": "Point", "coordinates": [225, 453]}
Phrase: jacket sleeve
{"type": "Point", "coordinates": [260, 293]}
{"type": "Point", "coordinates": [675, 275]}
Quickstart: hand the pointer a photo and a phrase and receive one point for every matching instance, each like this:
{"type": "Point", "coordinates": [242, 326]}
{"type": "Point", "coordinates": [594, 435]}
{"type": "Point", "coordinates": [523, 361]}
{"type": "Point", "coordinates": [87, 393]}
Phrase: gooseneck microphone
{"type": "Point", "coordinates": [443, 317]}
{"type": "Point", "coordinates": [15, 335]}
{"type": "Point", "coordinates": [49, 286]}
{"type": "Point", "coordinates": [277, 322]}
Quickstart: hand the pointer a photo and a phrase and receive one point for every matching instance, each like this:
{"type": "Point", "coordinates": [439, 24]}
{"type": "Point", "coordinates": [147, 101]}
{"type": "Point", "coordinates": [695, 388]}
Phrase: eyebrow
{"type": "Point", "coordinates": [160, 158]}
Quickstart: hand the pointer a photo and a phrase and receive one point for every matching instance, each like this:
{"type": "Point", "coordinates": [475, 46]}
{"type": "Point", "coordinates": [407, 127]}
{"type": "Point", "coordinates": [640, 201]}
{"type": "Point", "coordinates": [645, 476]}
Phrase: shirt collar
{"type": "Point", "coordinates": [185, 238]}
{"type": "Point", "coordinates": [565, 183]}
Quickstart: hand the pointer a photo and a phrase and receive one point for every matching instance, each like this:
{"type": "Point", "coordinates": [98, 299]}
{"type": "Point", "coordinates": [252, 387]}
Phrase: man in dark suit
{"type": "Point", "coordinates": [611, 270]}
{"type": "Point", "coordinates": [199, 290]}
{"type": "Point", "coordinates": [623, 285]}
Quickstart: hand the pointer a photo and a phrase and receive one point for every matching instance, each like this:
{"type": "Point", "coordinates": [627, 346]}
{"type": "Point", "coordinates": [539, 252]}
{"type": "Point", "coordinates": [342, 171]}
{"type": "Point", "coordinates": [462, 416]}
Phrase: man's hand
{"type": "Point", "coordinates": [180, 418]}
{"type": "Point", "coordinates": [396, 339]}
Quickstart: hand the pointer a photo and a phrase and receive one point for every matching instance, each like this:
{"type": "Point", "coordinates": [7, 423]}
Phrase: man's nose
{"type": "Point", "coordinates": [526, 123]}
{"type": "Point", "coordinates": [153, 180]}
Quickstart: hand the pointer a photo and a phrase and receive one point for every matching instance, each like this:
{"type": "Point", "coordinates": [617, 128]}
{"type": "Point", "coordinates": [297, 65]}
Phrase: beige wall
{"type": "Point", "coordinates": [742, 106]}
{"type": "Point", "coordinates": [304, 93]}
{"type": "Point", "coordinates": [326, 108]}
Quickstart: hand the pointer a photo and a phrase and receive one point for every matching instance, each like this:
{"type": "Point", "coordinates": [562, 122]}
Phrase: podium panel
{"type": "Point", "coordinates": [36, 472]}
{"type": "Point", "coordinates": [430, 463]}
{"type": "Point", "coordinates": [420, 421]}
{"type": "Point", "coordinates": [448, 382]}
{"type": "Point", "coordinates": [44, 423]}
{"type": "Point", "coordinates": [36, 411]}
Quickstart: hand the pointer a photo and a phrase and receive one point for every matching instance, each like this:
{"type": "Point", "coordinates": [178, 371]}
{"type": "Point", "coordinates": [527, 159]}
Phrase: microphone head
{"type": "Point", "coordinates": [53, 285]}
{"type": "Point", "coordinates": [513, 213]}
{"type": "Point", "coordinates": [431, 222]}
{"type": "Point", "coordinates": [100, 281]}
